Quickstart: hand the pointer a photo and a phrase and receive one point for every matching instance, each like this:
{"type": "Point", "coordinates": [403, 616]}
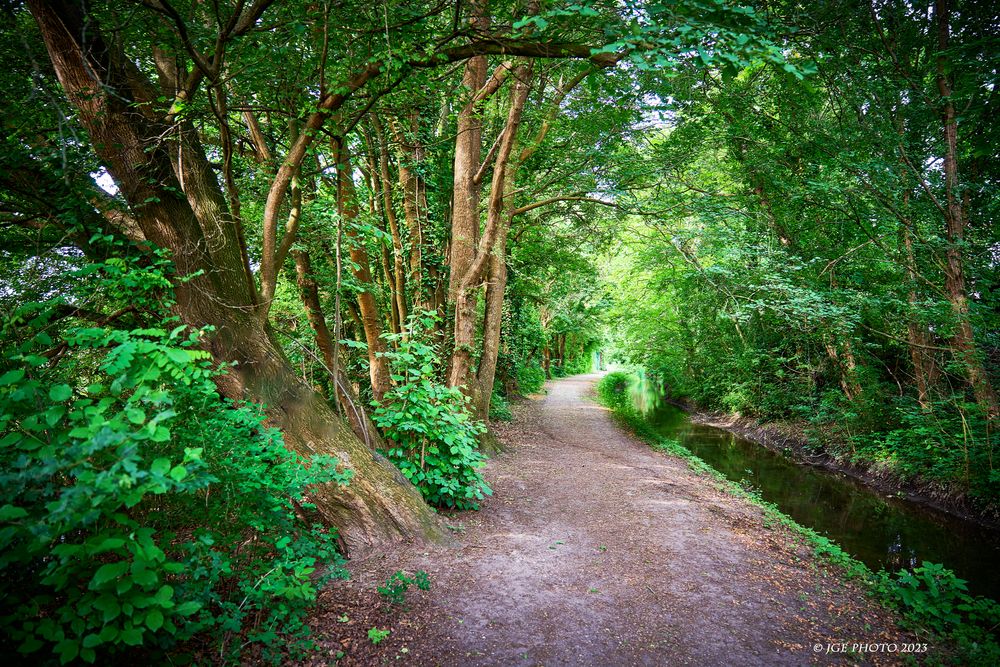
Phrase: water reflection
{"type": "Point", "coordinates": [881, 532]}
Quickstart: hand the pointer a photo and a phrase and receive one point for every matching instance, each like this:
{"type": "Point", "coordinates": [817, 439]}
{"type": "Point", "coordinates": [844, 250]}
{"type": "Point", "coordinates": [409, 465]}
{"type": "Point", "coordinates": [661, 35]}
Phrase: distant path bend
{"type": "Point", "coordinates": [596, 550]}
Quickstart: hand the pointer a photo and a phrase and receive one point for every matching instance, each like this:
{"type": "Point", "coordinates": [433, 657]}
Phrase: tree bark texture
{"type": "Point", "coordinates": [178, 206]}
{"type": "Point", "coordinates": [963, 338]}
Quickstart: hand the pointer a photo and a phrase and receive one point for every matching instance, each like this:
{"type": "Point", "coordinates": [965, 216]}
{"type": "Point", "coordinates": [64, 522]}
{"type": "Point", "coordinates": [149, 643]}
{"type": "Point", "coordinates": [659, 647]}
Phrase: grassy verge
{"type": "Point", "coordinates": [930, 599]}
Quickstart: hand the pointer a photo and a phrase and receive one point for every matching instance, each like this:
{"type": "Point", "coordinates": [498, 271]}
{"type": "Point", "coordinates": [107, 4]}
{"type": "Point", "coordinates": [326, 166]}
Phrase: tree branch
{"type": "Point", "coordinates": [553, 200]}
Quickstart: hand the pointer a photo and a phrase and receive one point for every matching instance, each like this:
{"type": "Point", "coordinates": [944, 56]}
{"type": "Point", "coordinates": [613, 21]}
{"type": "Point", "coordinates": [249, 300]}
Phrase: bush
{"type": "Point", "coordinates": [500, 409]}
{"type": "Point", "coordinates": [531, 378]}
{"type": "Point", "coordinates": [932, 599]}
{"type": "Point", "coordinates": [396, 586]}
{"type": "Point", "coordinates": [127, 524]}
{"type": "Point", "coordinates": [582, 363]}
{"type": "Point", "coordinates": [613, 389]}
{"type": "Point", "coordinates": [435, 437]}
{"type": "Point", "coordinates": [953, 444]}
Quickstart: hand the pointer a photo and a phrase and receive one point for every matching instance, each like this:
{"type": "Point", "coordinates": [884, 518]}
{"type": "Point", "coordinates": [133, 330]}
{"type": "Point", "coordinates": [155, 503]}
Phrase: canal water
{"type": "Point", "coordinates": [889, 533]}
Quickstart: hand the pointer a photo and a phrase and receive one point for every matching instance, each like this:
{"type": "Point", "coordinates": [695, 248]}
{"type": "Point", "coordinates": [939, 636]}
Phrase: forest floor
{"type": "Point", "coordinates": [597, 550]}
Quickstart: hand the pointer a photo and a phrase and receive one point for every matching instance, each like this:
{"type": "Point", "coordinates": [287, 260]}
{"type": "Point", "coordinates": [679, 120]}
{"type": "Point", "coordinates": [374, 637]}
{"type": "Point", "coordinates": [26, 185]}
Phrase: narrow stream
{"type": "Point", "coordinates": [882, 532]}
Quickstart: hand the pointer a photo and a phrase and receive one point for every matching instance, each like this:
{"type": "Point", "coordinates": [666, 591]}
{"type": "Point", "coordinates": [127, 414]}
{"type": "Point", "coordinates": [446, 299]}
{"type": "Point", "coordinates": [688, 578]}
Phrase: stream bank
{"type": "Point", "coordinates": [885, 531]}
{"type": "Point", "coordinates": [790, 441]}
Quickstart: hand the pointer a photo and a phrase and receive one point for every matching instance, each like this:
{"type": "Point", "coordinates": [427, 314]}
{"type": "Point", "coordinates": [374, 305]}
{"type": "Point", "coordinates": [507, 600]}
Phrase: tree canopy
{"type": "Point", "coordinates": [323, 243]}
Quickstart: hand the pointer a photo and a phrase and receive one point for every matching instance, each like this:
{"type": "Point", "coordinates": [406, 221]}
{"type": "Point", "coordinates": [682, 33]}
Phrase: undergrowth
{"type": "Point", "coordinates": [144, 517]}
{"type": "Point", "coordinates": [930, 599]}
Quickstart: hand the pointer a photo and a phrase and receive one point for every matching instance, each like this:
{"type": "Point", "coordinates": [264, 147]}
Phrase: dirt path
{"type": "Point", "coordinates": [596, 550]}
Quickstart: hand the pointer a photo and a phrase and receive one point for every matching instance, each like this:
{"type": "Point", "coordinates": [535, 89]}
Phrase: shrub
{"type": "Point", "coordinates": [399, 583]}
{"type": "Point", "coordinates": [582, 363]}
{"type": "Point", "coordinates": [430, 425]}
{"type": "Point", "coordinates": [613, 389]}
{"type": "Point", "coordinates": [531, 377]}
{"type": "Point", "coordinates": [931, 598]}
{"type": "Point", "coordinates": [500, 409]}
{"type": "Point", "coordinates": [140, 510]}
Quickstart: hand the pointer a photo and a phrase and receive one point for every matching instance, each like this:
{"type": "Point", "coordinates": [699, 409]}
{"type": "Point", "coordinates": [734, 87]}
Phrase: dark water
{"type": "Point", "coordinates": [882, 532]}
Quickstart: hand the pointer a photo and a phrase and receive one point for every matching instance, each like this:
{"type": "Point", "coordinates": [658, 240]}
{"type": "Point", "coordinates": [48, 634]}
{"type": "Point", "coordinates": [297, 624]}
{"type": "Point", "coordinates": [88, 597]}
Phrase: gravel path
{"type": "Point", "coordinates": [596, 550]}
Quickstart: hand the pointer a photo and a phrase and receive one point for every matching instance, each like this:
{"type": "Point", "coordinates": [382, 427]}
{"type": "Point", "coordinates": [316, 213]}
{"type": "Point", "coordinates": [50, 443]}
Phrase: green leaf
{"type": "Point", "coordinates": [67, 649]}
{"type": "Point", "coordinates": [30, 645]}
{"type": "Point", "coordinates": [10, 513]}
{"type": "Point", "coordinates": [160, 466]}
{"type": "Point", "coordinates": [187, 608]}
{"type": "Point", "coordinates": [145, 578]}
{"type": "Point", "coordinates": [159, 434]}
{"type": "Point", "coordinates": [154, 619]}
{"type": "Point", "coordinates": [107, 573]}
{"type": "Point", "coordinates": [109, 544]}
{"type": "Point", "coordinates": [10, 377]}
{"type": "Point", "coordinates": [61, 392]}
{"type": "Point", "coordinates": [132, 636]}
{"type": "Point", "coordinates": [110, 608]}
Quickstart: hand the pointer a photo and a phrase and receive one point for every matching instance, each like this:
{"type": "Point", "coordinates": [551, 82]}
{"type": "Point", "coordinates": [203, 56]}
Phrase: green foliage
{"type": "Point", "coordinates": [500, 409]}
{"type": "Point", "coordinates": [434, 436]}
{"type": "Point", "coordinates": [613, 390]}
{"type": "Point", "coordinates": [934, 598]}
{"type": "Point", "coordinates": [129, 526]}
{"type": "Point", "coordinates": [930, 598]}
{"type": "Point", "coordinates": [949, 444]}
{"type": "Point", "coordinates": [794, 273]}
{"type": "Point", "coordinates": [580, 363]}
{"type": "Point", "coordinates": [394, 590]}
{"type": "Point", "coordinates": [376, 636]}
{"type": "Point", "coordinates": [531, 377]}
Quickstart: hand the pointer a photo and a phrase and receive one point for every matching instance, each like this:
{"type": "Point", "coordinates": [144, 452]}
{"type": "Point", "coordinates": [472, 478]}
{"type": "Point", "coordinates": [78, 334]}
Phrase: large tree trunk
{"type": "Point", "coordinates": [468, 154]}
{"type": "Point", "coordinates": [497, 225]}
{"type": "Point", "coordinates": [963, 339]}
{"type": "Point", "coordinates": [379, 504]}
{"type": "Point", "coordinates": [104, 86]}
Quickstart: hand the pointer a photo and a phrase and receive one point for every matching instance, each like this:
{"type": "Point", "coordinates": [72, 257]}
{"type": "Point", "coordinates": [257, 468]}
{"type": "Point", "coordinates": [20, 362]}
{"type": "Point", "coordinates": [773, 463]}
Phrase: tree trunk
{"type": "Point", "coordinates": [350, 405]}
{"type": "Point", "coordinates": [497, 225]}
{"type": "Point", "coordinates": [347, 202]}
{"type": "Point", "coordinates": [105, 87]}
{"type": "Point", "coordinates": [398, 282]}
{"type": "Point", "coordinates": [410, 155]}
{"type": "Point", "coordinates": [917, 334]}
{"type": "Point", "coordinates": [492, 326]}
{"type": "Point", "coordinates": [963, 339]}
{"type": "Point", "coordinates": [843, 361]}
{"type": "Point", "coordinates": [468, 154]}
